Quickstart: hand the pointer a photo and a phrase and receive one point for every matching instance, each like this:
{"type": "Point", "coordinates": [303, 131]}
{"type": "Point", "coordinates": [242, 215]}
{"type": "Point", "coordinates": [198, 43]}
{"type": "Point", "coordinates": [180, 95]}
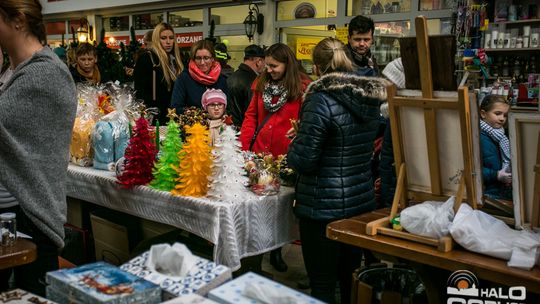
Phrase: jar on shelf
{"type": "Point", "coordinates": [8, 229]}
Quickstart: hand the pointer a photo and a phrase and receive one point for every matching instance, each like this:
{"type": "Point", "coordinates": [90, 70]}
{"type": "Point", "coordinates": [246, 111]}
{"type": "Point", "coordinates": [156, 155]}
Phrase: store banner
{"type": "Point", "coordinates": [304, 47]}
{"type": "Point", "coordinates": [187, 39]}
{"type": "Point", "coordinates": [113, 42]}
{"type": "Point", "coordinates": [342, 33]}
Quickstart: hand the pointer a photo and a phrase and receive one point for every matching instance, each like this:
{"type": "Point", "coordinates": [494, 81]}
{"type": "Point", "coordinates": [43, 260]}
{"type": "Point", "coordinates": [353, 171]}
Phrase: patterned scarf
{"type": "Point", "coordinates": [500, 138]}
{"type": "Point", "coordinates": [200, 77]}
{"type": "Point", "coordinates": [271, 90]}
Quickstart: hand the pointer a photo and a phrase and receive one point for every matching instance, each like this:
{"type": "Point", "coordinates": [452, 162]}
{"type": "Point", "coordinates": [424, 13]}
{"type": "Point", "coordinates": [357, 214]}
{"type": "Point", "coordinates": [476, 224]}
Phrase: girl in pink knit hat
{"type": "Point", "coordinates": [214, 101]}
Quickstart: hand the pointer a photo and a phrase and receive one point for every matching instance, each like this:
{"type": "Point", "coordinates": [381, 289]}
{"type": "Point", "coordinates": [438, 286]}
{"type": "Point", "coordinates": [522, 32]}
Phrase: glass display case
{"type": "Point", "coordinates": [186, 18]}
{"type": "Point", "coordinates": [374, 7]}
{"type": "Point", "coordinates": [229, 14]}
{"type": "Point", "coordinates": [147, 21]}
{"type": "Point", "coordinates": [116, 24]}
{"type": "Point", "coordinates": [385, 46]}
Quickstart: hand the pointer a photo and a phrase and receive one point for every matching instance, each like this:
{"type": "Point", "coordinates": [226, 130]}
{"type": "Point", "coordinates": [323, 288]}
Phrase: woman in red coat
{"type": "Point", "coordinates": [276, 100]}
{"type": "Point", "coordinates": [278, 93]}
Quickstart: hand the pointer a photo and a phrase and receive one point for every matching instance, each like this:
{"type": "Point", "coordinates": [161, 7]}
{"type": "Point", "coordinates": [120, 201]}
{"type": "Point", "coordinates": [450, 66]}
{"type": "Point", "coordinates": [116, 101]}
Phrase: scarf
{"type": "Point", "coordinates": [361, 60]}
{"type": "Point", "coordinates": [500, 138]}
{"type": "Point", "coordinates": [202, 78]}
{"type": "Point", "coordinates": [93, 77]}
{"type": "Point", "coordinates": [271, 90]}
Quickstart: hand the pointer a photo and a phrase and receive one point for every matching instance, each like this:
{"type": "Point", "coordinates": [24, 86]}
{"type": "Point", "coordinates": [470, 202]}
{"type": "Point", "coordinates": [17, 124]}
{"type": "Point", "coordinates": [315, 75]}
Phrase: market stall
{"type": "Point", "coordinates": [237, 229]}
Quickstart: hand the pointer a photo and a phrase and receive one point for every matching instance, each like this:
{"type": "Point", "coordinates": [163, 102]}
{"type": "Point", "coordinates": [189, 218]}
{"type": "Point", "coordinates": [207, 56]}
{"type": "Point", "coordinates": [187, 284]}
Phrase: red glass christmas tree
{"type": "Point", "coordinates": [140, 156]}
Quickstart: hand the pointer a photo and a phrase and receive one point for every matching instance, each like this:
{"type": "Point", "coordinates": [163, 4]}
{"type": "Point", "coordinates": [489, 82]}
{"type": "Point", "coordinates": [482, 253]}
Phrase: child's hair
{"type": "Point", "coordinates": [292, 79]}
{"type": "Point", "coordinates": [489, 102]}
{"type": "Point", "coordinates": [85, 49]}
{"type": "Point", "coordinates": [330, 55]}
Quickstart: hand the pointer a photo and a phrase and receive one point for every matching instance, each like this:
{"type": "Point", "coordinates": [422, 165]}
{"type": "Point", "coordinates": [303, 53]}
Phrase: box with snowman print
{"type": "Point", "coordinates": [202, 277]}
{"type": "Point", "coordinates": [252, 288]}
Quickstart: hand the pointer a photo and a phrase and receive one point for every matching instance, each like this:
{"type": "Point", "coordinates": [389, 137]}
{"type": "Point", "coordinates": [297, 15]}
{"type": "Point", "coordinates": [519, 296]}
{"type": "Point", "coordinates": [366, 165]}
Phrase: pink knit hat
{"type": "Point", "coordinates": [213, 96]}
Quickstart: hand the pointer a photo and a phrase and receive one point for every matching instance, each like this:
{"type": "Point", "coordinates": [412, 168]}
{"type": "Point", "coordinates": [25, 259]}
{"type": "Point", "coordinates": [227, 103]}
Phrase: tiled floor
{"type": "Point", "coordinates": [296, 272]}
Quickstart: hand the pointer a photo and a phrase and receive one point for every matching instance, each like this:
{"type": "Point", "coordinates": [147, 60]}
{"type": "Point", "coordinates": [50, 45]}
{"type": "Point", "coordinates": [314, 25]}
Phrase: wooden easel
{"type": "Point", "coordinates": [437, 190]}
{"type": "Point", "coordinates": [536, 197]}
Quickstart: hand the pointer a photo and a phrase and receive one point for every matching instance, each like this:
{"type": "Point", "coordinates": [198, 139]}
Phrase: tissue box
{"type": "Point", "coordinates": [190, 299]}
{"type": "Point", "coordinates": [231, 292]}
{"type": "Point", "coordinates": [100, 283]}
{"type": "Point", "coordinates": [19, 296]}
{"type": "Point", "coordinates": [205, 277]}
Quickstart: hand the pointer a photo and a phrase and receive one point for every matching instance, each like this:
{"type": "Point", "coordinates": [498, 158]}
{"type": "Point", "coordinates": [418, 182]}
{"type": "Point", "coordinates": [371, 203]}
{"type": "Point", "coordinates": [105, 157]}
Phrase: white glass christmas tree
{"type": "Point", "coordinates": [229, 180]}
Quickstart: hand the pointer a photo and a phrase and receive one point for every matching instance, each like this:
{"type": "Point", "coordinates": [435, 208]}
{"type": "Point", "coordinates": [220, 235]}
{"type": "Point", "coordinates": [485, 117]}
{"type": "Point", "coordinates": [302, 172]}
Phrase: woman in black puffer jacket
{"type": "Point", "coordinates": [332, 155]}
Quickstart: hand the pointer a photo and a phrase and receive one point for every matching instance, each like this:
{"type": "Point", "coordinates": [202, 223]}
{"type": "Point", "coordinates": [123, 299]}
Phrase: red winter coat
{"type": "Point", "coordinates": [271, 138]}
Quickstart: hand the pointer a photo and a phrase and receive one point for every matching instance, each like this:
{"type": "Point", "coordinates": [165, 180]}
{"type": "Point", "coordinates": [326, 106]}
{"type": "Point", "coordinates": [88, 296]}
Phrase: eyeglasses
{"type": "Point", "coordinates": [205, 58]}
{"type": "Point", "coordinates": [216, 105]}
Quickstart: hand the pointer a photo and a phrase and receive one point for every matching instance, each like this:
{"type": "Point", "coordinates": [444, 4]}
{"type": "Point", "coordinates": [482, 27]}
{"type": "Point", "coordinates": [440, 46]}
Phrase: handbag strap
{"type": "Point", "coordinates": [259, 127]}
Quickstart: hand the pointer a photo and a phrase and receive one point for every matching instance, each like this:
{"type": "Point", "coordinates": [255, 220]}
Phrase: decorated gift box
{"type": "Point", "coordinates": [252, 288]}
{"type": "Point", "coordinates": [19, 296]}
{"type": "Point", "coordinates": [100, 283]}
{"type": "Point", "coordinates": [202, 277]}
{"type": "Point", "coordinates": [190, 299]}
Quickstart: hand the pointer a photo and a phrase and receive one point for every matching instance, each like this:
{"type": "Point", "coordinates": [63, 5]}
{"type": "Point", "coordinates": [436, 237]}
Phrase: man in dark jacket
{"type": "Point", "coordinates": [239, 83]}
{"type": "Point", "coordinates": [360, 38]}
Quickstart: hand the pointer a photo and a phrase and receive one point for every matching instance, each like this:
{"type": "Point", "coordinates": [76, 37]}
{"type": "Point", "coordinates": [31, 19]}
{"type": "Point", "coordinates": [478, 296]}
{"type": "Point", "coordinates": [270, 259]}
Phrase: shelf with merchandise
{"type": "Point", "coordinates": [517, 21]}
{"type": "Point", "coordinates": [513, 49]}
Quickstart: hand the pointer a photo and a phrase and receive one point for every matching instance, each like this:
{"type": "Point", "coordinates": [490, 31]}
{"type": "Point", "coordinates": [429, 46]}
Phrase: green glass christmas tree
{"type": "Point", "coordinates": [164, 171]}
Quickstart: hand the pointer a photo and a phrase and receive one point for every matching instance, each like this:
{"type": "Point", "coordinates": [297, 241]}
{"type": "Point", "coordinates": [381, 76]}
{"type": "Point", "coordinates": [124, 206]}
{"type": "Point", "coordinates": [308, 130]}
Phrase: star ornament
{"type": "Point", "coordinates": [172, 114]}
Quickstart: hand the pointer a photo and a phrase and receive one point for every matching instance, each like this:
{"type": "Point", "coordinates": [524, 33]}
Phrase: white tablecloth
{"type": "Point", "coordinates": [237, 229]}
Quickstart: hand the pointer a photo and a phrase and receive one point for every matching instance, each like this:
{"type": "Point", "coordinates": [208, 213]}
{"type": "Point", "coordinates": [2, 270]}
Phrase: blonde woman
{"type": "Point", "coordinates": [157, 70]}
{"type": "Point", "coordinates": [332, 155]}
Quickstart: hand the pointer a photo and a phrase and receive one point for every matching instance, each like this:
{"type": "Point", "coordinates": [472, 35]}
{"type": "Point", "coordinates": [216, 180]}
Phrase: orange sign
{"type": "Point", "coordinates": [187, 39]}
{"type": "Point", "coordinates": [113, 42]}
{"type": "Point", "coordinates": [304, 47]}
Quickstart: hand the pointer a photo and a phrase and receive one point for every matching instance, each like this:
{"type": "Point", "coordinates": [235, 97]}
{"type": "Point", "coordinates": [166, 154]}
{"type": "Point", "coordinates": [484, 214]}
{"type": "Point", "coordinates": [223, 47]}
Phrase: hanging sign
{"type": "Point", "coordinates": [113, 42]}
{"type": "Point", "coordinates": [342, 33]}
{"type": "Point", "coordinates": [304, 47]}
{"type": "Point", "coordinates": [187, 39]}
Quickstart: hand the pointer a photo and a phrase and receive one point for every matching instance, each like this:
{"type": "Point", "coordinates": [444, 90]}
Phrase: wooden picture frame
{"type": "Point", "coordinates": [524, 130]}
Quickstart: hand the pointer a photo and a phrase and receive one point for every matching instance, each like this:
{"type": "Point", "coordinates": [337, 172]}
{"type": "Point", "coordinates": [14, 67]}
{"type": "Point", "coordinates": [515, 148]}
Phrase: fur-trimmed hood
{"type": "Point", "coordinates": [362, 96]}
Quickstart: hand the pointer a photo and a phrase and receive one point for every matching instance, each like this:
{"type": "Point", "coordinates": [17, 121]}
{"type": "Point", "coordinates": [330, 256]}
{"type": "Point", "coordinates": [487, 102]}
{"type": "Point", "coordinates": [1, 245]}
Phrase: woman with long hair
{"type": "Point", "coordinates": [332, 155]}
{"type": "Point", "coordinates": [157, 69]}
{"type": "Point", "coordinates": [276, 101]}
{"type": "Point", "coordinates": [37, 111]}
{"type": "Point", "coordinates": [203, 73]}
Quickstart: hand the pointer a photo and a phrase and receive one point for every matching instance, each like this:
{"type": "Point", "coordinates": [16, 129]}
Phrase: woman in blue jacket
{"type": "Point", "coordinates": [203, 73]}
{"type": "Point", "coordinates": [332, 155]}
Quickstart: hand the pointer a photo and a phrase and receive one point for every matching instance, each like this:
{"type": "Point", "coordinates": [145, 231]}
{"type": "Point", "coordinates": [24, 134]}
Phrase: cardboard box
{"type": "Point", "coordinates": [231, 292]}
{"type": "Point", "coordinates": [152, 229]}
{"type": "Point", "coordinates": [115, 234]}
{"type": "Point", "coordinates": [19, 296]}
{"type": "Point", "coordinates": [100, 283]}
{"type": "Point", "coordinates": [207, 276]}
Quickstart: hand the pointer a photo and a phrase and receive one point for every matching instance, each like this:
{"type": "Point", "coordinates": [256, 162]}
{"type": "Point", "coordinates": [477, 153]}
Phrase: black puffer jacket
{"type": "Point", "coordinates": [333, 148]}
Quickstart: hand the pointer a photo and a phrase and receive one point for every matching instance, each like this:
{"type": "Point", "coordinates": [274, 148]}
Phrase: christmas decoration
{"type": "Point", "coordinates": [165, 170]}
{"type": "Point", "coordinates": [191, 116]}
{"type": "Point", "coordinates": [263, 171]}
{"type": "Point", "coordinates": [195, 163]}
{"type": "Point", "coordinates": [229, 180]}
{"type": "Point", "coordinates": [140, 155]}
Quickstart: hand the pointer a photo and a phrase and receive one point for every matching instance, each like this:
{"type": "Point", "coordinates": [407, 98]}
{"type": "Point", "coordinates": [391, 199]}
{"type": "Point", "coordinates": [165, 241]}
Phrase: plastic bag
{"type": "Point", "coordinates": [430, 219]}
{"type": "Point", "coordinates": [480, 232]}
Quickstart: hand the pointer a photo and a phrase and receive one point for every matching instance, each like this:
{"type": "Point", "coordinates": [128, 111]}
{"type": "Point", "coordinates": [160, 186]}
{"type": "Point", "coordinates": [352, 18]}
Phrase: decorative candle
{"type": "Point", "coordinates": [157, 136]}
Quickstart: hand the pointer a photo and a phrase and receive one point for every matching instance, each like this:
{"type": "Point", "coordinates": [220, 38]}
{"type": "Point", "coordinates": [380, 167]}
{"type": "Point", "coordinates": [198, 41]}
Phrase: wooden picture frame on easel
{"type": "Point", "coordinates": [524, 130]}
{"type": "Point", "coordinates": [433, 151]}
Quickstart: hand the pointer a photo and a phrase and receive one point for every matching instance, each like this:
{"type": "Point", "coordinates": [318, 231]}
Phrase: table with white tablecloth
{"type": "Point", "coordinates": [237, 229]}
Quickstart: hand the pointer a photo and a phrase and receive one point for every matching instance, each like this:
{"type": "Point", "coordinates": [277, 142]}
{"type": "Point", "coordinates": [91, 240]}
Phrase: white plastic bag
{"type": "Point", "coordinates": [480, 232]}
{"type": "Point", "coordinates": [430, 219]}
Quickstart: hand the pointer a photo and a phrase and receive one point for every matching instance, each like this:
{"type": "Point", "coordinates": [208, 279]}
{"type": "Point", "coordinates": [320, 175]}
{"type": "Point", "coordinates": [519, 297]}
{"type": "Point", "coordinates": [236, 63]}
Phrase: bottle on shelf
{"type": "Point", "coordinates": [505, 68]}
